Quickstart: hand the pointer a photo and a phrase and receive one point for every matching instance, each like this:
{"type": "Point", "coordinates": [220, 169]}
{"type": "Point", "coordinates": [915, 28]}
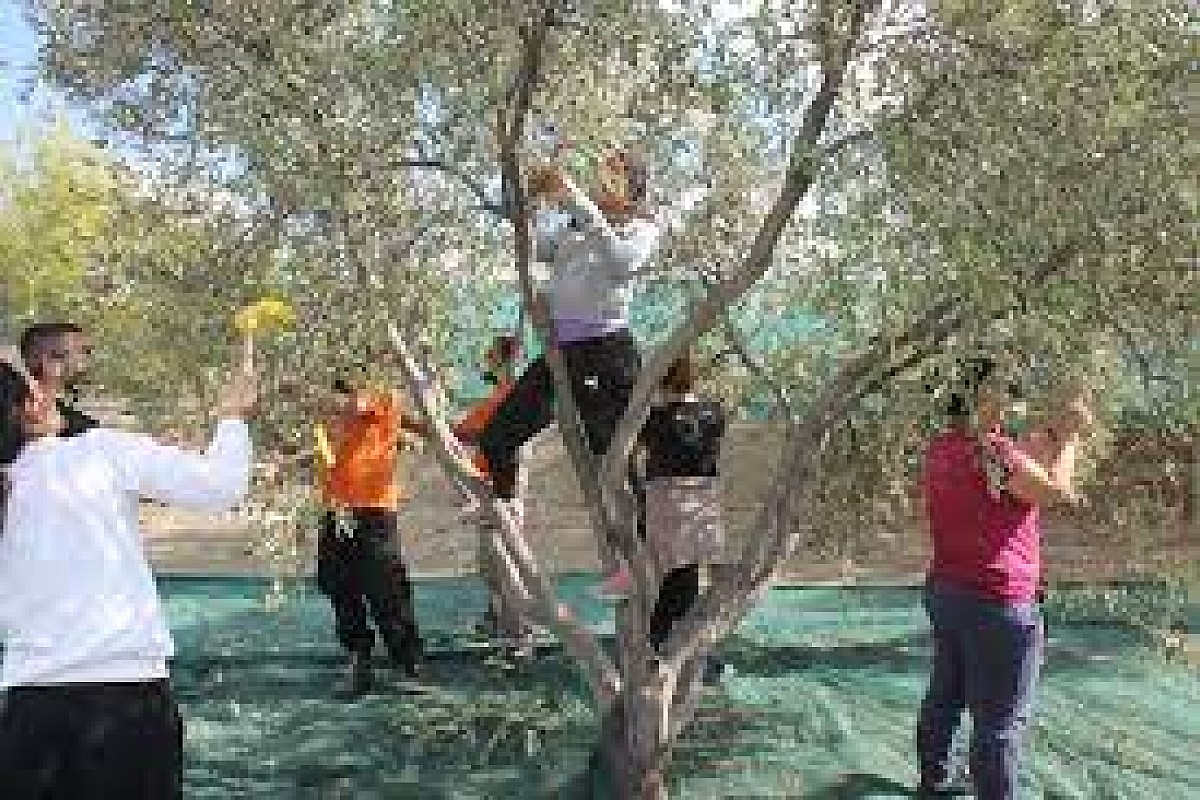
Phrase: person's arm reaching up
{"type": "Point", "coordinates": [1043, 466]}
{"type": "Point", "coordinates": [547, 232]}
{"type": "Point", "coordinates": [628, 252]}
{"type": "Point", "coordinates": [213, 480]}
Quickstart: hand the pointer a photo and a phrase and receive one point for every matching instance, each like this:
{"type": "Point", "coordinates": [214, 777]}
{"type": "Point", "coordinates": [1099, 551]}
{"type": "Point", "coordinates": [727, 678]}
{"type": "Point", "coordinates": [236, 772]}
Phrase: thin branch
{"type": "Point", "coordinates": [486, 203]}
{"type": "Point", "coordinates": [801, 173]}
{"type": "Point", "coordinates": [521, 566]}
{"type": "Point", "coordinates": [738, 346]}
{"type": "Point", "coordinates": [724, 607]}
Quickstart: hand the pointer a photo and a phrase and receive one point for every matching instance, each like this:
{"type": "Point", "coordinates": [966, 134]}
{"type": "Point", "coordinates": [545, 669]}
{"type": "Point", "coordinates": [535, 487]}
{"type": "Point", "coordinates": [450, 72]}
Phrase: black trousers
{"type": "Point", "coordinates": [361, 569]}
{"type": "Point", "coordinates": [603, 372]}
{"type": "Point", "coordinates": [91, 741]}
{"type": "Point", "coordinates": [679, 590]}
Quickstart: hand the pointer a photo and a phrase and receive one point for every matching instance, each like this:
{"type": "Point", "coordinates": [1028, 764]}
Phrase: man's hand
{"type": "Point", "coordinates": [240, 396]}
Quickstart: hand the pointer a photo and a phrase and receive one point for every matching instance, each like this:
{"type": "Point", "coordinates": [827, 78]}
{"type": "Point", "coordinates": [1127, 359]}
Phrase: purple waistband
{"type": "Point", "coordinates": [577, 330]}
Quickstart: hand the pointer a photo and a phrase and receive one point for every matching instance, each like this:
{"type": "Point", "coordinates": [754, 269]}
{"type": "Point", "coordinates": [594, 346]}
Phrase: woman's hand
{"type": "Point", "coordinates": [542, 318]}
{"type": "Point", "coordinates": [240, 396]}
{"type": "Point", "coordinates": [546, 182]}
{"type": "Point", "coordinates": [1075, 416]}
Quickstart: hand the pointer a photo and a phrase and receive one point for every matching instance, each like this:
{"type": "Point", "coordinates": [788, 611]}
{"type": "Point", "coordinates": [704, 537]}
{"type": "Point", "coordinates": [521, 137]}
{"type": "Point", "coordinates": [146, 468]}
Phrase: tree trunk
{"type": "Point", "coordinates": [630, 762]}
{"type": "Point", "coordinates": [636, 746]}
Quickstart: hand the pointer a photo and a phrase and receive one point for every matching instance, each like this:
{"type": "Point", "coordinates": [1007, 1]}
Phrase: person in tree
{"type": "Point", "coordinates": [983, 493]}
{"type": "Point", "coordinates": [500, 619]}
{"type": "Point", "coordinates": [680, 445]}
{"type": "Point", "coordinates": [87, 709]}
{"type": "Point", "coordinates": [360, 565]}
{"type": "Point", "coordinates": [594, 260]}
{"type": "Point", "coordinates": [499, 371]}
{"type": "Point", "coordinates": [58, 355]}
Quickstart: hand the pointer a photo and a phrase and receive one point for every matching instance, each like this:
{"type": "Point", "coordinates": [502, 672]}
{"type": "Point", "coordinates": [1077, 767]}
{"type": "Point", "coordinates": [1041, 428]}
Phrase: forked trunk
{"type": "Point", "coordinates": [630, 763]}
{"type": "Point", "coordinates": [637, 739]}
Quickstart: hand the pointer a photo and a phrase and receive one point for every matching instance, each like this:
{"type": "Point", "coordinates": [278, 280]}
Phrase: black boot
{"type": "Point", "coordinates": [361, 677]}
{"type": "Point", "coordinates": [952, 786]}
{"type": "Point", "coordinates": [412, 668]}
{"type": "Point", "coordinates": [409, 663]}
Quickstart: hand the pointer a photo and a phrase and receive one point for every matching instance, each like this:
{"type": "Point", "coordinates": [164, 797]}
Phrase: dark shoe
{"type": "Point", "coordinates": [488, 625]}
{"type": "Point", "coordinates": [947, 788]}
{"type": "Point", "coordinates": [714, 669]}
{"type": "Point", "coordinates": [361, 678]}
{"type": "Point", "coordinates": [410, 666]}
{"type": "Point", "coordinates": [521, 647]}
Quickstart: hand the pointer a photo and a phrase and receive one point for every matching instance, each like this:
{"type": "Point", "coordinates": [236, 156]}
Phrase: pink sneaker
{"type": "Point", "coordinates": [616, 586]}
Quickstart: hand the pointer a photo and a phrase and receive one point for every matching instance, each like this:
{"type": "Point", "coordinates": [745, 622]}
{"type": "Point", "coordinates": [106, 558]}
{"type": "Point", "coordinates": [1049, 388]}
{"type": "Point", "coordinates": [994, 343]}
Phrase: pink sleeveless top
{"type": "Point", "coordinates": [985, 540]}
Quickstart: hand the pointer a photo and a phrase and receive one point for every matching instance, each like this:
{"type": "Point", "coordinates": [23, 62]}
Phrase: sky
{"type": "Point", "coordinates": [21, 109]}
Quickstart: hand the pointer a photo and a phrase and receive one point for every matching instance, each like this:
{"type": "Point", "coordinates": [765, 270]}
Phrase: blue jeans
{"type": "Point", "coordinates": [986, 660]}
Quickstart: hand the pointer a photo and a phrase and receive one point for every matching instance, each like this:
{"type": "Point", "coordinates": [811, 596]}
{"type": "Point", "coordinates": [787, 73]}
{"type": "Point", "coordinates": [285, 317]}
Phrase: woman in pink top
{"type": "Point", "coordinates": [982, 493]}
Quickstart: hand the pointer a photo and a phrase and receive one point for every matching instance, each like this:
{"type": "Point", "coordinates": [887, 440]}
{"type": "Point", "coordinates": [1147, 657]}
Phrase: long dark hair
{"type": "Point", "coordinates": [975, 372]}
{"type": "Point", "coordinates": [682, 375]}
{"type": "Point", "coordinates": [14, 391]}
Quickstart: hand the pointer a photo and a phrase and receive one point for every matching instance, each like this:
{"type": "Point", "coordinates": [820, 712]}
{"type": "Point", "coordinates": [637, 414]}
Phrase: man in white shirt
{"type": "Point", "coordinates": [58, 355]}
{"type": "Point", "coordinates": [86, 711]}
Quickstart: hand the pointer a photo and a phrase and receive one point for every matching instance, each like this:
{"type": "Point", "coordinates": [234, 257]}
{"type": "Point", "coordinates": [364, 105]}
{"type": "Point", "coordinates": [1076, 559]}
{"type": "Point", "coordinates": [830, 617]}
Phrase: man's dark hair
{"type": "Point", "coordinates": [37, 338]}
{"type": "Point", "coordinates": [346, 380]}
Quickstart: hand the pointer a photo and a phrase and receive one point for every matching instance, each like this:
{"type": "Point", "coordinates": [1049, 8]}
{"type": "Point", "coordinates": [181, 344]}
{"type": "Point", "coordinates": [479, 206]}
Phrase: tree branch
{"type": "Point", "coordinates": [724, 606]}
{"type": "Point", "coordinates": [485, 202]}
{"type": "Point", "coordinates": [520, 564]}
{"type": "Point", "coordinates": [517, 209]}
{"type": "Point", "coordinates": [801, 173]}
{"type": "Point", "coordinates": [739, 347]}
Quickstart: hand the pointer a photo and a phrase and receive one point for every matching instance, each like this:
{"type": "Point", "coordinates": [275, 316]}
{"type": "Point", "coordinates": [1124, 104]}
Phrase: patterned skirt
{"type": "Point", "coordinates": [683, 521]}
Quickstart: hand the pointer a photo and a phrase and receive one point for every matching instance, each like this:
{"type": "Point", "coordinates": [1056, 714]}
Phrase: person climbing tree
{"type": "Point", "coordinates": [586, 310]}
{"type": "Point", "coordinates": [681, 444]}
{"type": "Point", "coordinates": [501, 619]}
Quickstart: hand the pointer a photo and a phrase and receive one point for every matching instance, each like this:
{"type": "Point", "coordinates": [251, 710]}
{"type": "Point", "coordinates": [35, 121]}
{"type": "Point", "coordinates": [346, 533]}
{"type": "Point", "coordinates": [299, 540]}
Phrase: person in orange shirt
{"type": "Point", "coordinates": [500, 619]}
{"type": "Point", "coordinates": [360, 565]}
{"type": "Point", "coordinates": [500, 361]}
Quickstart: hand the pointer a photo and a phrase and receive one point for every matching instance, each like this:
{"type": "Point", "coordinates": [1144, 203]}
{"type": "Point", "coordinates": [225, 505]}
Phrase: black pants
{"type": "Point", "coordinates": [91, 741]}
{"type": "Point", "coordinates": [679, 590]}
{"type": "Point", "coordinates": [603, 372]}
{"type": "Point", "coordinates": [362, 568]}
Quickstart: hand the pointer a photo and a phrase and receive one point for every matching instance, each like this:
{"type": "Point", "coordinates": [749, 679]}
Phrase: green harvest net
{"type": "Point", "coordinates": [818, 699]}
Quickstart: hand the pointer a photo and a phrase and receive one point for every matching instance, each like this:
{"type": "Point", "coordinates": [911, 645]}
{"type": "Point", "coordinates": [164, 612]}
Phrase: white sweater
{"type": "Point", "coordinates": [78, 602]}
{"type": "Point", "coordinates": [594, 266]}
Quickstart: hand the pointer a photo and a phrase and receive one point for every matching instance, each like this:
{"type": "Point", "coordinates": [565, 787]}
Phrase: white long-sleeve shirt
{"type": "Point", "coordinates": [593, 266]}
{"type": "Point", "coordinates": [78, 602]}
